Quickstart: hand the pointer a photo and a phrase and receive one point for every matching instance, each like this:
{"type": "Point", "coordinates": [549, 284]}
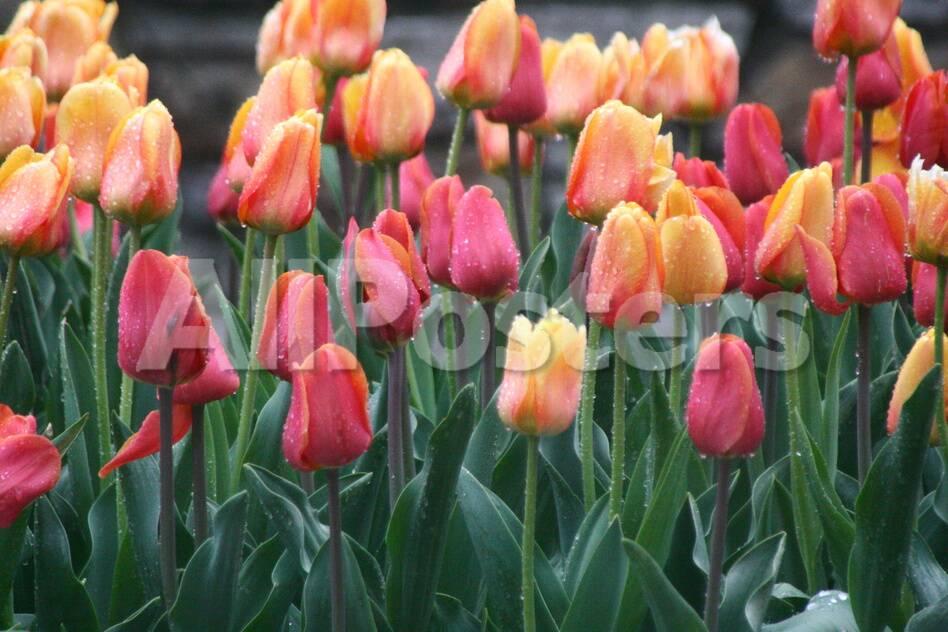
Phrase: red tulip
{"type": "Point", "coordinates": [753, 152]}
{"type": "Point", "coordinates": [925, 121]}
{"type": "Point", "coordinates": [852, 27]}
{"type": "Point", "coordinates": [12, 424]}
{"type": "Point", "coordinates": [437, 226]}
{"type": "Point", "coordinates": [146, 440]}
{"type": "Point", "coordinates": [525, 100]}
{"type": "Point", "coordinates": [323, 431]}
{"type": "Point", "coordinates": [29, 467]}
{"type": "Point", "coordinates": [334, 130]}
{"type": "Point", "coordinates": [722, 208]}
{"type": "Point", "coordinates": [923, 293]}
{"type": "Point", "coordinates": [414, 178]}
{"type": "Point", "coordinates": [485, 261]}
{"type": "Point", "coordinates": [754, 285]}
{"type": "Point", "coordinates": [217, 381]}
{"type": "Point", "coordinates": [221, 199]}
{"type": "Point", "coordinates": [493, 146]}
{"type": "Point", "coordinates": [823, 139]}
{"type": "Point", "coordinates": [699, 173]}
{"type": "Point", "coordinates": [878, 77]}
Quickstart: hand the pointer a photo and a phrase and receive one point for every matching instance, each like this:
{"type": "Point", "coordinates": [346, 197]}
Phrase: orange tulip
{"type": "Point", "coordinates": [493, 146]}
{"type": "Point", "coordinates": [852, 28]}
{"type": "Point", "coordinates": [217, 381]}
{"type": "Point", "coordinates": [919, 361]}
{"type": "Point", "coordinates": [285, 32]}
{"type": "Point", "coordinates": [24, 48]}
{"type": "Point", "coordinates": [146, 440]}
{"type": "Point", "coordinates": [525, 100]}
{"type": "Point", "coordinates": [346, 34]}
{"type": "Point", "coordinates": [912, 55]}
{"type": "Point", "coordinates": [140, 171]}
{"type": "Point", "coordinates": [280, 194]}
{"type": "Point", "coordinates": [22, 107]}
{"type": "Point", "coordinates": [722, 208]}
{"type": "Point", "coordinates": [93, 62]}
{"type": "Point", "coordinates": [617, 68]}
{"type": "Point", "coordinates": [132, 76]}
{"type": "Point", "coordinates": [33, 189]}
{"type": "Point", "coordinates": [234, 160]}
{"type": "Point", "coordinates": [572, 85]}
{"type": "Point", "coordinates": [928, 213]}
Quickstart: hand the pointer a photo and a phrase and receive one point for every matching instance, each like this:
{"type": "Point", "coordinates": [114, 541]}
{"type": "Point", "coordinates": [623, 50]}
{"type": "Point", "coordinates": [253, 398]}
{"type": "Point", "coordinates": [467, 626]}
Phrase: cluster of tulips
{"type": "Point", "coordinates": [661, 232]}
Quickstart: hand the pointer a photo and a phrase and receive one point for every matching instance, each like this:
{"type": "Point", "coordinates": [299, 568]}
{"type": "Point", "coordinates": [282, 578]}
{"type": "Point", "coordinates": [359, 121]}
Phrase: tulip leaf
{"type": "Point", "coordinates": [11, 546]}
{"type": "Point", "coordinates": [886, 509]}
{"type": "Point", "coordinates": [669, 609]}
{"type": "Point", "coordinates": [929, 580]}
{"type": "Point", "coordinates": [749, 583]}
{"type": "Point", "coordinates": [828, 437]}
{"type": "Point", "coordinates": [489, 441]}
{"type": "Point", "coordinates": [144, 618]}
{"type": "Point", "coordinates": [78, 398]}
{"type": "Point", "coordinates": [254, 582]}
{"type": "Point", "coordinates": [930, 619]}
{"type": "Point", "coordinates": [586, 543]}
{"type": "Point", "coordinates": [903, 335]}
{"type": "Point", "coordinates": [828, 611]}
{"type": "Point", "coordinates": [451, 616]}
{"type": "Point", "coordinates": [531, 269]}
{"type": "Point", "coordinates": [567, 233]}
{"type": "Point", "coordinates": [16, 380]}
{"type": "Point", "coordinates": [65, 439]}
{"type": "Point", "coordinates": [332, 176]}
{"type": "Point", "coordinates": [598, 595]}
{"type": "Point", "coordinates": [264, 448]}
{"type": "Point", "coordinates": [113, 291]}
{"type": "Point", "coordinates": [317, 608]}
{"type": "Point", "coordinates": [418, 529]}
{"type": "Point", "coordinates": [286, 584]}
{"type": "Point", "coordinates": [100, 569]}
{"type": "Point", "coordinates": [233, 242]}
{"type": "Point", "coordinates": [25, 325]}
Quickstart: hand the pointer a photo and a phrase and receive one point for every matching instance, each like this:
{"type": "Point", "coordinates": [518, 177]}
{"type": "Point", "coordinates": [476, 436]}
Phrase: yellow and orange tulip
{"type": "Point", "coordinates": [22, 108]}
{"type": "Point", "coordinates": [33, 189]}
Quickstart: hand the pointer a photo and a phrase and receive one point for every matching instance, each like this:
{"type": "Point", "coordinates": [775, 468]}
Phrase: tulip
{"type": "Point", "coordinates": [478, 68]}
{"type": "Point", "coordinates": [296, 323]}
{"type": "Point", "coordinates": [234, 160]}
{"type": "Point", "coordinates": [549, 52]}
{"type": "Point", "coordinates": [29, 464]}
{"type": "Point", "coordinates": [221, 199]}
{"type": "Point", "coordinates": [132, 76]}
{"type": "Point", "coordinates": [627, 271]}
{"type": "Point", "coordinates": [698, 173]}
{"type": "Point", "coordinates": [753, 284]}
{"type": "Point", "coordinates": [539, 394]}
{"type": "Point", "coordinates": [22, 106]}
{"type": "Point", "coordinates": [923, 293]}
{"type": "Point", "coordinates": [725, 416]}
{"type": "Point", "coordinates": [286, 31]}
{"type": "Point", "coordinates": [84, 122]}
{"type": "Point", "coordinates": [571, 92]}
{"type": "Point", "coordinates": [582, 268]}
{"type": "Point", "coordinates": [218, 380]}
{"type": "Point", "coordinates": [24, 48]}
{"type": "Point", "coordinates": [919, 361]}
{"type": "Point", "coordinates": [687, 235]}
{"type": "Point", "coordinates": [414, 178]}
{"type": "Point", "coordinates": [912, 56]}
{"type": "Point", "coordinates": [925, 120]}
{"type": "Point", "coordinates": [163, 329]}
{"type": "Point", "coordinates": [753, 153]}
{"type": "Point", "coordinates": [852, 28]}
{"type": "Point", "coordinates": [619, 158]}
{"type": "Point", "coordinates": [287, 88]}
{"type": "Point", "coordinates": [93, 62]}
{"type": "Point", "coordinates": [724, 211]}
{"type": "Point", "coordinates": [12, 424]}
{"type": "Point", "coordinates": [928, 213]}
{"type": "Point", "coordinates": [804, 200]}
{"type": "Point", "coordinates": [140, 168]}
{"type": "Point", "coordinates": [493, 146]}
{"type": "Point", "coordinates": [485, 262]}
{"type": "Point", "coordinates": [280, 194]}
{"type": "Point", "coordinates": [33, 187]}
{"type": "Point", "coordinates": [525, 100]}
{"type": "Point", "coordinates": [878, 77]}
{"type": "Point", "coordinates": [823, 137]}
{"type": "Point", "coordinates": [617, 68]}
{"type": "Point", "coordinates": [437, 221]}
{"type": "Point", "coordinates": [334, 129]}
{"type": "Point", "coordinates": [375, 130]}
{"type": "Point", "coordinates": [346, 33]}
{"type": "Point", "coordinates": [145, 441]}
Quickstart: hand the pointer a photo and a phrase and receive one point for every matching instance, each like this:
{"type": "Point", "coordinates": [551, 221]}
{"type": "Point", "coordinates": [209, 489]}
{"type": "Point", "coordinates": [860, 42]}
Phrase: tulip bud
{"type": "Point", "coordinates": [823, 137]}
{"type": "Point", "coordinates": [29, 467]}
{"type": "Point", "coordinates": [753, 284]}
{"type": "Point", "coordinates": [615, 161]}
{"type": "Point", "coordinates": [912, 55]}
{"type": "Point", "coordinates": [925, 120]}
{"type": "Point", "coordinates": [414, 178]}
{"type": "Point", "coordinates": [320, 431]}
{"type": "Point", "coordinates": [878, 77]}
{"type": "Point", "coordinates": [24, 48]}
{"type": "Point", "coordinates": [346, 33]}
{"type": "Point", "coordinates": [162, 327]}
{"type": "Point", "coordinates": [571, 93]}
{"type": "Point", "coordinates": [725, 416]}
{"type": "Point", "coordinates": [615, 71]}
{"type": "Point", "coordinates": [493, 146]}
{"type": "Point", "coordinates": [539, 394]}
{"type": "Point", "coordinates": [924, 276]}
{"type": "Point", "coordinates": [478, 68]}
{"type": "Point", "coordinates": [296, 323]}
{"type": "Point", "coordinates": [804, 200]}
{"type": "Point", "coordinates": [696, 269]}
{"type": "Point", "coordinates": [271, 48]}
{"type": "Point", "coordinates": [217, 381]}
{"type": "Point", "coordinates": [140, 170]}
{"type": "Point", "coordinates": [280, 195]}
{"type": "Point", "coordinates": [549, 52]}
{"type": "Point", "coordinates": [753, 152]}
{"type": "Point", "coordinates": [22, 106]}
{"type": "Point", "coordinates": [221, 199]}
{"type": "Point", "coordinates": [85, 120]}
{"type": "Point", "coordinates": [437, 226]}
{"type": "Point", "coordinates": [928, 213]}
{"type": "Point", "coordinates": [234, 160]}
{"type": "Point", "coordinates": [699, 173]}
{"type": "Point", "coordinates": [919, 361]}
{"type": "Point", "coordinates": [852, 28]}
{"type": "Point", "coordinates": [33, 187]}
{"type": "Point", "coordinates": [93, 62]}
{"type": "Point", "coordinates": [132, 76]}
{"type": "Point", "coordinates": [485, 262]}
{"type": "Point", "coordinates": [147, 439]}
{"type": "Point", "coordinates": [627, 270]}
{"type": "Point", "coordinates": [724, 211]}
{"type": "Point", "coordinates": [287, 88]}
{"type": "Point", "coordinates": [375, 130]}
{"type": "Point", "coordinates": [525, 100]}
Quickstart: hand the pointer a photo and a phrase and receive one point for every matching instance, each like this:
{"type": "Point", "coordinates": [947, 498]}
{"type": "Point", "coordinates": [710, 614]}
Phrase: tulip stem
{"type": "Point", "coordinates": [618, 438]}
{"type": "Point", "coordinates": [865, 170]}
{"type": "Point", "coordinates": [571, 140]}
{"type": "Point", "coordinates": [450, 341]}
{"type": "Point", "coordinates": [536, 192]}
{"type": "Point", "coordinates": [396, 185]}
{"type": "Point", "coordinates": [102, 234]}
{"type": "Point", "coordinates": [332, 80]}
{"type": "Point", "coordinates": [585, 415]}
{"type": "Point", "coordinates": [166, 526]}
{"type": "Point", "coordinates": [939, 327]}
{"type": "Point", "coordinates": [9, 285]}
{"type": "Point", "coordinates": [14, 535]}
{"type": "Point", "coordinates": [694, 139]}
{"type": "Point", "coordinates": [128, 384]}
{"type": "Point", "coordinates": [253, 365]}
{"type": "Point", "coordinates": [337, 593]}
{"type": "Point", "coordinates": [396, 438]}
{"type": "Point", "coordinates": [863, 379]}
{"type": "Point", "coordinates": [529, 526]}
{"type": "Point", "coordinates": [489, 366]}
{"type": "Point", "coordinates": [75, 234]}
{"type": "Point", "coordinates": [849, 129]}
{"type": "Point", "coordinates": [516, 190]}
{"type": "Point", "coordinates": [677, 362]}
{"type": "Point", "coordinates": [770, 390]}
{"type": "Point", "coordinates": [246, 273]}
{"type": "Point", "coordinates": [312, 236]}
{"type": "Point", "coordinates": [380, 199]}
{"type": "Point", "coordinates": [712, 601]}
{"type": "Point", "coordinates": [198, 474]}
{"type": "Point", "coordinates": [457, 139]}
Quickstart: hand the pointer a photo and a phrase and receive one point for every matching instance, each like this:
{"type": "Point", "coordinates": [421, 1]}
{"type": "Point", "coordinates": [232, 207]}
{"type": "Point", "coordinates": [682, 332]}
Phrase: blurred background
{"type": "Point", "coordinates": [201, 57]}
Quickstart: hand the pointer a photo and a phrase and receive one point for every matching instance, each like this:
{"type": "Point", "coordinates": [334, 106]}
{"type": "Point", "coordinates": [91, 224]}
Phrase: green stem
{"type": "Point", "coordinates": [128, 384]}
{"type": "Point", "coordinates": [396, 437]}
{"type": "Point", "coordinates": [246, 273]}
{"type": "Point", "coordinates": [677, 364]}
{"type": "Point", "coordinates": [863, 380]}
{"type": "Point", "coordinates": [866, 171]}
{"type": "Point", "coordinates": [380, 201]}
{"type": "Point", "coordinates": [571, 140]}
{"type": "Point", "coordinates": [166, 527]}
{"type": "Point", "coordinates": [332, 81]}
{"type": "Point", "coordinates": [489, 362]}
{"type": "Point", "coordinates": [312, 236]}
{"type": "Point", "coordinates": [12, 545]}
{"type": "Point", "coordinates": [457, 139]}
{"type": "Point", "coordinates": [536, 192]}
{"type": "Point", "coordinates": [396, 185]}
{"type": "Point", "coordinates": [9, 285]}
{"type": "Point", "coordinates": [618, 438]}
{"type": "Point", "coordinates": [75, 234]}
{"type": "Point", "coordinates": [336, 586]}
{"type": "Point", "coordinates": [694, 139]}
{"type": "Point", "coordinates": [939, 326]}
{"type": "Point", "coordinates": [450, 341]}
{"type": "Point", "coordinates": [586, 415]}
{"type": "Point", "coordinates": [516, 190]}
{"type": "Point", "coordinates": [849, 129]}
{"type": "Point", "coordinates": [529, 526]}
{"type": "Point", "coordinates": [253, 367]}
{"type": "Point", "coordinates": [198, 474]}
{"type": "Point", "coordinates": [102, 226]}
{"type": "Point", "coordinates": [712, 602]}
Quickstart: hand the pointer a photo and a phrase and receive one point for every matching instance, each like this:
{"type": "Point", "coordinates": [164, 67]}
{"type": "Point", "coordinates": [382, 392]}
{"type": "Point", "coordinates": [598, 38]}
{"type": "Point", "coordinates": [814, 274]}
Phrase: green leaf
{"type": "Point", "coordinates": [450, 616]}
{"type": "Point", "coordinates": [669, 609]}
{"type": "Point", "coordinates": [586, 543]}
{"type": "Point", "coordinates": [596, 601]}
{"type": "Point", "coordinates": [828, 611]}
{"type": "Point", "coordinates": [531, 269]}
{"type": "Point", "coordinates": [567, 233]}
{"type": "Point", "coordinates": [331, 174]}
{"type": "Point", "coordinates": [264, 449]}
{"type": "Point", "coordinates": [418, 529]}
{"type": "Point", "coordinates": [931, 619]}
{"type": "Point", "coordinates": [142, 619]}
{"type": "Point", "coordinates": [828, 439]}
{"type": "Point", "coordinates": [11, 546]}
{"type": "Point", "coordinates": [78, 396]}
{"type": "Point", "coordinates": [929, 580]}
{"type": "Point", "coordinates": [886, 509]}
{"type": "Point", "coordinates": [489, 441]}
{"type": "Point", "coordinates": [100, 569]}
{"type": "Point", "coordinates": [317, 604]}
{"type": "Point", "coordinates": [16, 380]}
{"type": "Point", "coordinates": [65, 439]}
{"type": "Point", "coordinates": [254, 582]}
{"type": "Point", "coordinates": [233, 242]}
{"type": "Point", "coordinates": [748, 585]}
{"type": "Point", "coordinates": [286, 585]}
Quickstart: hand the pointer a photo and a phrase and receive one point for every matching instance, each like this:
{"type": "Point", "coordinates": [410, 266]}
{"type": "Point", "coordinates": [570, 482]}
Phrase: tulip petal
{"type": "Point", "coordinates": [821, 274]}
{"type": "Point", "coordinates": [29, 467]}
{"type": "Point", "coordinates": [147, 440]}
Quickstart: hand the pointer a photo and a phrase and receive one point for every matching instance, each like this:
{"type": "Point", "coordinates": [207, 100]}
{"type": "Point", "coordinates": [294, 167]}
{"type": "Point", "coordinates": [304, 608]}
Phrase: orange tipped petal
{"type": "Point", "coordinates": [820, 274]}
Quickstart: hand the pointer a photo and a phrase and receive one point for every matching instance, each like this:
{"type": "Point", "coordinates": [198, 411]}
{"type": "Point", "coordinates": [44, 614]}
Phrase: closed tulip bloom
{"type": "Point", "coordinates": [912, 55]}
{"type": "Point", "coordinates": [280, 195]}
{"type": "Point", "coordinates": [24, 48]}
{"type": "Point", "coordinates": [478, 68]}
{"type": "Point", "coordinates": [286, 31]}
{"type": "Point", "coordinates": [12, 424]}
{"type": "Point", "coordinates": [725, 416]}
{"type": "Point", "coordinates": [616, 69]}
{"type": "Point", "coordinates": [696, 269]}
{"type": "Point", "coordinates": [438, 207]}
{"type": "Point", "coordinates": [414, 178]}
{"type": "Point", "coordinates": [925, 120]}
{"type": "Point", "coordinates": [572, 91]}
{"type": "Point", "coordinates": [804, 200]}
{"type": "Point", "coordinates": [217, 381]}
{"type": "Point", "coordinates": [29, 464]}
{"type": "Point", "coordinates": [22, 107]}
{"type": "Point", "coordinates": [627, 272]}
{"type": "Point", "coordinates": [346, 33]}
{"type": "Point", "coordinates": [924, 276]}
{"type": "Point", "coordinates": [375, 130]}
{"type": "Point", "coordinates": [287, 88]}
{"type": "Point", "coordinates": [919, 361]}
{"type": "Point", "coordinates": [539, 394]}
{"type": "Point", "coordinates": [296, 323]}
{"type": "Point", "coordinates": [33, 187]}
{"type": "Point", "coordinates": [147, 439]}
{"type": "Point", "coordinates": [724, 211]}
{"type": "Point", "coordinates": [878, 77]}
{"type": "Point", "coordinates": [93, 62]}
{"type": "Point", "coordinates": [619, 158]}
{"type": "Point", "coordinates": [86, 117]}
{"type": "Point", "coordinates": [485, 262]}
{"type": "Point", "coordinates": [753, 284]}
{"type": "Point", "coordinates": [162, 327]}
{"type": "Point", "coordinates": [132, 76]}
{"type": "Point", "coordinates": [854, 27]}
{"type": "Point", "coordinates": [549, 52]}
{"type": "Point", "coordinates": [140, 171]}
{"type": "Point", "coordinates": [928, 213]}
{"type": "Point", "coordinates": [493, 146]}
{"type": "Point", "coordinates": [753, 152]}
{"type": "Point", "coordinates": [234, 159]}
{"type": "Point", "coordinates": [525, 99]}
{"type": "Point", "coordinates": [323, 432]}
{"type": "Point", "coordinates": [823, 136]}
{"type": "Point", "coordinates": [221, 199]}
{"type": "Point", "coordinates": [698, 173]}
